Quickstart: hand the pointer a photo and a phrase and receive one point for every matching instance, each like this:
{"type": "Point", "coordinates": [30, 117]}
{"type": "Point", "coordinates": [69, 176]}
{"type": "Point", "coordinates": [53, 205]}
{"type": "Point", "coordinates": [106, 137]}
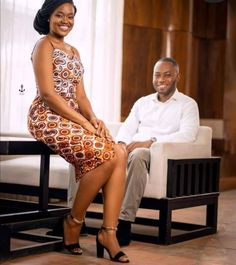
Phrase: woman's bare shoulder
{"type": "Point", "coordinates": [44, 45]}
{"type": "Point", "coordinates": [75, 51]}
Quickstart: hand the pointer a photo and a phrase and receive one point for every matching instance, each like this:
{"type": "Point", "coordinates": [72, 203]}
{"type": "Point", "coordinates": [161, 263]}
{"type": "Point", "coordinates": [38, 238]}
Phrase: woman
{"type": "Point", "coordinates": [61, 116]}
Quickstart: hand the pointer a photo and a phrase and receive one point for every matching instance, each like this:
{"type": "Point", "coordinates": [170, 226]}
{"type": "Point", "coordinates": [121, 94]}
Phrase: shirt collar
{"type": "Point", "coordinates": [175, 96]}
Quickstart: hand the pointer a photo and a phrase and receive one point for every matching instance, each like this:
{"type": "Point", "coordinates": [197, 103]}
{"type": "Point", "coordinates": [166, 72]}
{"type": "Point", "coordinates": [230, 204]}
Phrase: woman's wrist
{"type": "Point", "coordinates": [84, 122]}
{"type": "Point", "coordinates": [93, 118]}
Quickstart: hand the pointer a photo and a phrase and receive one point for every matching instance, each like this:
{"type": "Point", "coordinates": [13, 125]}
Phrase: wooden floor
{"type": "Point", "coordinates": [218, 249]}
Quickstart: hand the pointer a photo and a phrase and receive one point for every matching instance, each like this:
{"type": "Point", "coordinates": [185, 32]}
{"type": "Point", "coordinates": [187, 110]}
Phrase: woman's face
{"type": "Point", "coordinates": [61, 20]}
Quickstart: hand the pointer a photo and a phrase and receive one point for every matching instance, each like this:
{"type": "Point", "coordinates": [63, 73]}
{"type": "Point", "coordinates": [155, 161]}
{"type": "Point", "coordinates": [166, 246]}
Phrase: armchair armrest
{"type": "Point", "coordinates": [161, 152]}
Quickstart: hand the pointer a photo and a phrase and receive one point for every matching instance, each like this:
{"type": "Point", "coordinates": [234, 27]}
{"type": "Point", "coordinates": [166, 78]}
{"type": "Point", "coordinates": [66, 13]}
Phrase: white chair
{"type": "Point", "coordinates": [182, 175]}
{"type": "Point", "coordinates": [161, 152]}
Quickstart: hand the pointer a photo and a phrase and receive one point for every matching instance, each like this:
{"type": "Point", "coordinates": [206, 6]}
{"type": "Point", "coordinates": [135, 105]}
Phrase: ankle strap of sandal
{"type": "Point", "coordinates": [109, 228]}
{"type": "Point", "coordinates": [79, 222]}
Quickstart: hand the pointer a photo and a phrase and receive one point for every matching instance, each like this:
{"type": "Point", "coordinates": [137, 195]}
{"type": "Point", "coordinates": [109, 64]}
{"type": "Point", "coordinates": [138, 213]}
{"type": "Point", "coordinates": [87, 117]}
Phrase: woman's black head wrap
{"type": "Point", "coordinates": [41, 23]}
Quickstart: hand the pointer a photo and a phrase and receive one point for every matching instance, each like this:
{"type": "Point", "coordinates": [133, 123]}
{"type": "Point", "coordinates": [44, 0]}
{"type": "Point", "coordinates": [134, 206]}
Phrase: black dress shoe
{"type": "Point", "coordinates": [58, 230]}
{"type": "Point", "coordinates": [123, 233]}
{"type": "Point", "coordinates": [84, 230]}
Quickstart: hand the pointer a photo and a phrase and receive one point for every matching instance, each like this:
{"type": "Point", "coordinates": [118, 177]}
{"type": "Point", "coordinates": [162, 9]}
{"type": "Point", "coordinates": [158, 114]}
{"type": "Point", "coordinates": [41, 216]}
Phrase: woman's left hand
{"type": "Point", "coordinates": [101, 129]}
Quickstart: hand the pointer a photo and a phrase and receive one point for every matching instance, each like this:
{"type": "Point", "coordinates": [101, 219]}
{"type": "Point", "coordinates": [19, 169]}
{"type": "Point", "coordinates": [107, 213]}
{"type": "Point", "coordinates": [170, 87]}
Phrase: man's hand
{"type": "Point", "coordinates": [146, 144]}
{"type": "Point", "coordinates": [123, 145]}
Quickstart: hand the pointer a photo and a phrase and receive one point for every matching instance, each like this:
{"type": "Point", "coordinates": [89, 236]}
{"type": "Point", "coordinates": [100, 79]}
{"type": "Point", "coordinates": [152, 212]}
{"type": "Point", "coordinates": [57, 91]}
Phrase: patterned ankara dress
{"type": "Point", "coordinates": [70, 140]}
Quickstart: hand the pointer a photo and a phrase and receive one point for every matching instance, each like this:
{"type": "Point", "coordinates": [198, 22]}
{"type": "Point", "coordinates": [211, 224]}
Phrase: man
{"type": "Point", "coordinates": [165, 116]}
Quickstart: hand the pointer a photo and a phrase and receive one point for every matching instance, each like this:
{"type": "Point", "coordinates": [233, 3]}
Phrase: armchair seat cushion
{"type": "Point", "coordinates": [25, 170]}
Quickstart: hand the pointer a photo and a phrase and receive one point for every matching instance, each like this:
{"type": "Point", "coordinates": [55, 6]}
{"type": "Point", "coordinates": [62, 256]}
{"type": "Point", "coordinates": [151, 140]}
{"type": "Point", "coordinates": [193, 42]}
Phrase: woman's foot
{"type": "Point", "coordinates": [106, 239]}
{"type": "Point", "coordinates": [71, 228]}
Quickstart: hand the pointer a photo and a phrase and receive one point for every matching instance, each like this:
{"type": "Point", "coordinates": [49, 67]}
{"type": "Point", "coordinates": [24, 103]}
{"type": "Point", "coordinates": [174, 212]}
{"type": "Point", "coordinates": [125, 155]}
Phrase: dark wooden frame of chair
{"type": "Point", "coordinates": [17, 217]}
{"type": "Point", "coordinates": [190, 183]}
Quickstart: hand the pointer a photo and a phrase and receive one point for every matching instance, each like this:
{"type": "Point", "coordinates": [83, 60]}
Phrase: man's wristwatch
{"type": "Point", "coordinates": [120, 142]}
{"type": "Point", "coordinates": [153, 139]}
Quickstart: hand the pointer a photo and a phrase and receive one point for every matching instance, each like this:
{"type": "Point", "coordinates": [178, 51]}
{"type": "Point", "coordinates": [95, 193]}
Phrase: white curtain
{"type": "Point", "coordinates": [97, 35]}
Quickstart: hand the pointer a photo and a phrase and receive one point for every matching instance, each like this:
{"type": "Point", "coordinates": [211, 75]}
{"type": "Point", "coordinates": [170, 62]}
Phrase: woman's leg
{"type": "Point", "coordinates": [113, 192]}
{"type": "Point", "coordinates": [89, 186]}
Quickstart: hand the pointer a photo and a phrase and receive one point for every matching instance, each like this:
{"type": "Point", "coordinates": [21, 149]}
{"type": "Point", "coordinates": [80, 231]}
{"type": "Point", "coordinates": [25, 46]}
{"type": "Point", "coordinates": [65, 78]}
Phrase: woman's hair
{"type": "Point", "coordinates": [41, 20]}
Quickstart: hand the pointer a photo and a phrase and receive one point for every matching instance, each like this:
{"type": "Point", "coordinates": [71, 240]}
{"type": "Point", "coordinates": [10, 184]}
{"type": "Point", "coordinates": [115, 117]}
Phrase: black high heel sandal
{"type": "Point", "coordinates": [101, 247]}
{"type": "Point", "coordinates": [74, 248]}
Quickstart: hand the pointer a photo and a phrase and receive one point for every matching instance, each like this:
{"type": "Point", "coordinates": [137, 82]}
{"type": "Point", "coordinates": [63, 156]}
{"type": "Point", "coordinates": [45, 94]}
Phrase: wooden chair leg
{"type": "Point", "coordinates": [165, 222]}
{"type": "Point", "coordinates": [5, 242]}
{"type": "Point", "coordinates": [211, 215]}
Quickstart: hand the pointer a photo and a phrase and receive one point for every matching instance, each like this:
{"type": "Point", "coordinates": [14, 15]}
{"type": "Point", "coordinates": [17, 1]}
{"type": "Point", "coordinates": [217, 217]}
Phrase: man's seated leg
{"type": "Point", "coordinates": [124, 232]}
{"type": "Point", "coordinates": [137, 169]}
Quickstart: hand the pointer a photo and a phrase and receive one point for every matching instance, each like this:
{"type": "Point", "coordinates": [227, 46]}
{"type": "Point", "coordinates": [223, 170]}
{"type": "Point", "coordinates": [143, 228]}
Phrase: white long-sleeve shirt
{"type": "Point", "coordinates": [176, 120]}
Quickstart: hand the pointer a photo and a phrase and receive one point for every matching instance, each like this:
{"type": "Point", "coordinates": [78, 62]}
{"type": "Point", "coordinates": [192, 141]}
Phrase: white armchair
{"type": "Point", "coordinates": [182, 175]}
{"type": "Point", "coordinates": [160, 153]}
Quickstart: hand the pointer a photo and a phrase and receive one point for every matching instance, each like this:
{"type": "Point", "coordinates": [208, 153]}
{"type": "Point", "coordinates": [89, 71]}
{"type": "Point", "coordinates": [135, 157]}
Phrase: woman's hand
{"type": "Point", "coordinates": [101, 129]}
{"type": "Point", "coordinates": [88, 126]}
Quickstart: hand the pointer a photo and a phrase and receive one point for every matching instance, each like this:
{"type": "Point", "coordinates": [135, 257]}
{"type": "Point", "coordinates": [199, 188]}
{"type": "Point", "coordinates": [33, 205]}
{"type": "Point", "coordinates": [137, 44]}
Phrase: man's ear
{"type": "Point", "coordinates": [178, 77]}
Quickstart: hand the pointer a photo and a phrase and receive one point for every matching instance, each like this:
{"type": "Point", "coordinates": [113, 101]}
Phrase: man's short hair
{"type": "Point", "coordinates": [170, 60]}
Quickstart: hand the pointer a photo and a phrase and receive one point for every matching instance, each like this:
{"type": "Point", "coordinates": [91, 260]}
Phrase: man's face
{"type": "Point", "coordinates": [165, 78]}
